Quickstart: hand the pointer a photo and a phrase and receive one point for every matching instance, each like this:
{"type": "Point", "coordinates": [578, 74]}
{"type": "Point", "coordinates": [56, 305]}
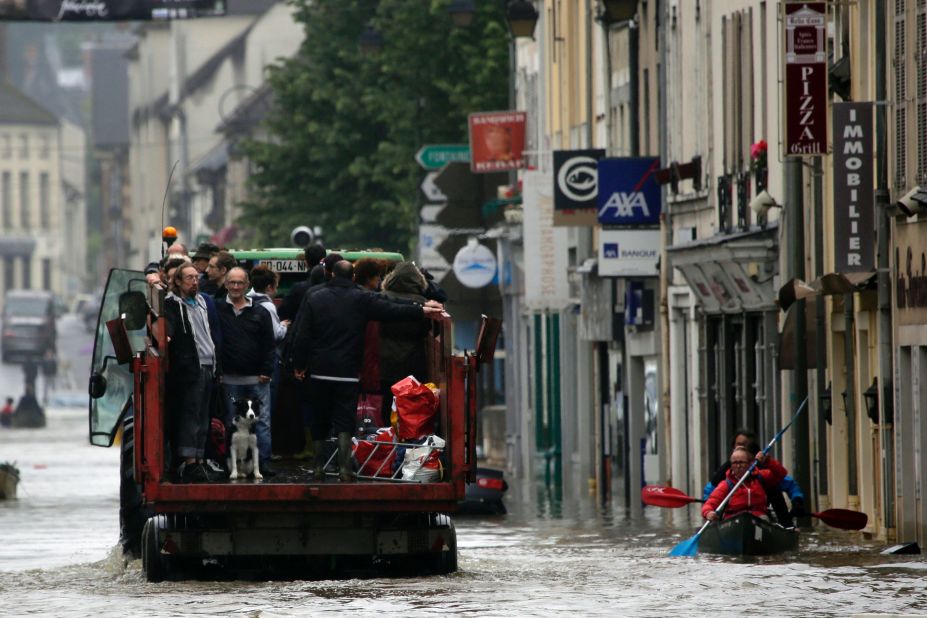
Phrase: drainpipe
{"type": "Point", "coordinates": [796, 267]}
{"type": "Point", "coordinates": [820, 326]}
{"type": "Point", "coordinates": [882, 202]}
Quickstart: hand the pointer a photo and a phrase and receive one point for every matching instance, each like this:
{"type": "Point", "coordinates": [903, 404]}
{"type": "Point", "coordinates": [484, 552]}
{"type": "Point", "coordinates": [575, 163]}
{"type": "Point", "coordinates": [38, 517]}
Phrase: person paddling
{"type": "Point", "coordinates": [751, 495]}
{"type": "Point", "coordinates": [746, 438]}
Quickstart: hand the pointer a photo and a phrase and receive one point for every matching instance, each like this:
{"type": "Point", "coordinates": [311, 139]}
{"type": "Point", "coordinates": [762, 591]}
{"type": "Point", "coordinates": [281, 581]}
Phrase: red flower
{"type": "Point", "coordinates": [758, 149]}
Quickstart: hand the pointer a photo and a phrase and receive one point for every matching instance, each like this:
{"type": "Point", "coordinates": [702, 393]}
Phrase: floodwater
{"type": "Point", "coordinates": [59, 557]}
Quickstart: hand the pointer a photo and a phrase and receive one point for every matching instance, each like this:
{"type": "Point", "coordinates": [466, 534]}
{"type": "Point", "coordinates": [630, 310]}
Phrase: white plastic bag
{"type": "Point", "coordinates": [423, 463]}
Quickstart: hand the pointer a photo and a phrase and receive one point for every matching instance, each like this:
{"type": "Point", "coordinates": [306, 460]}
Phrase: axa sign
{"type": "Point", "coordinates": [628, 191]}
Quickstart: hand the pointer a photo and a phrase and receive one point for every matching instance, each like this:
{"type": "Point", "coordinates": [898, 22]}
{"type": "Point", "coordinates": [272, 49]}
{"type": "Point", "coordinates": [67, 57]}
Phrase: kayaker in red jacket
{"type": "Point", "coordinates": [751, 495]}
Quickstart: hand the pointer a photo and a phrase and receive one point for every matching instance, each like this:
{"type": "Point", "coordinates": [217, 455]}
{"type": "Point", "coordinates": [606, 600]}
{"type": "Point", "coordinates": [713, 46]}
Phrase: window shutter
{"type": "Point", "coordinates": [901, 93]}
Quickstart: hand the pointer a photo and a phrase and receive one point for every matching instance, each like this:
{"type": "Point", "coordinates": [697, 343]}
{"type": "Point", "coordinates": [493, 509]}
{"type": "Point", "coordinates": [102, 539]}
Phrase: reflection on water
{"type": "Point", "coordinates": [58, 557]}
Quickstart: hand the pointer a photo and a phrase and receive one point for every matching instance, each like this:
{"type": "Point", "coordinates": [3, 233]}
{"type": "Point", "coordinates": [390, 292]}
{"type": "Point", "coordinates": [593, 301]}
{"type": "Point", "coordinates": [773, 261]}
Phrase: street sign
{"type": "Point", "coordinates": [436, 156]}
{"type": "Point", "coordinates": [429, 212]}
{"type": "Point", "coordinates": [430, 237]}
{"type": "Point", "coordinates": [475, 265]}
{"type": "Point", "coordinates": [431, 190]}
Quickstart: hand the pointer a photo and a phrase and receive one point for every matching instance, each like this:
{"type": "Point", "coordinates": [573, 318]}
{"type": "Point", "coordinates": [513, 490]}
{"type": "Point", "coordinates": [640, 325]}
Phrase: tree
{"type": "Point", "coordinates": [345, 128]}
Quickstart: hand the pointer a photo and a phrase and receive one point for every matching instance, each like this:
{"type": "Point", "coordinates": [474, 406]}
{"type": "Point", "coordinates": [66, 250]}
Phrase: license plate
{"type": "Point", "coordinates": [285, 266]}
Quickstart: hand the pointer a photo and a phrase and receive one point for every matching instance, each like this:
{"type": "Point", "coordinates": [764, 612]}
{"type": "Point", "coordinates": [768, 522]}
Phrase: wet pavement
{"type": "Point", "coordinates": [59, 557]}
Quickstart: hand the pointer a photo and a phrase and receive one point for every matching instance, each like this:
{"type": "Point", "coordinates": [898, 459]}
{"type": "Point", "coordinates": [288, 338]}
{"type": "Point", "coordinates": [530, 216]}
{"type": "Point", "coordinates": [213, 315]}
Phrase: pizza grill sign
{"type": "Point", "coordinates": [806, 79]}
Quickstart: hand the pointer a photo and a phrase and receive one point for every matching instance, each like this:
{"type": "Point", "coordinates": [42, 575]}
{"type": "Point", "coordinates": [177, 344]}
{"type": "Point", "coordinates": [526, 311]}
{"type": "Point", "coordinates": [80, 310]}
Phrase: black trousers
{"type": "Point", "coordinates": [334, 407]}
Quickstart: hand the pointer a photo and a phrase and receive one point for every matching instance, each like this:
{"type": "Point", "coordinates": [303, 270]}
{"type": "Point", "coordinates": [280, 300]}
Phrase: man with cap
{"type": "Point", "coordinates": [201, 257]}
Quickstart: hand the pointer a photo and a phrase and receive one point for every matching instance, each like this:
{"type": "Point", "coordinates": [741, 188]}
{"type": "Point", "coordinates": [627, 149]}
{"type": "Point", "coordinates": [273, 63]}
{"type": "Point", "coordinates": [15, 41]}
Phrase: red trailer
{"type": "Point", "coordinates": [307, 528]}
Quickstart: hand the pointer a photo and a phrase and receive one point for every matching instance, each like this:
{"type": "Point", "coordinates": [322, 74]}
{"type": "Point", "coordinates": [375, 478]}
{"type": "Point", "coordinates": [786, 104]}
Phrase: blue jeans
{"type": "Point", "coordinates": [262, 429]}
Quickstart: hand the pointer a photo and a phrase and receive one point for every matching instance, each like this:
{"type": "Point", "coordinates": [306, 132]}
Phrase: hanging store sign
{"type": "Point", "coordinates": [628, 191]}
{"type": "Point", "coordinates": [475, 265]}
{"type": "Point", "coordinates": [805, 79]}
{"type": "Point", "coordinates": [497, 141]}
{"type": "Point", "coordinates": [629, 253]}
{"type": "Point", "coordinates": [854, 205]}
{"type": "Point", "coordinates": [576, 186]}
{"type": "Point", "coordinates": [546, 272]}
{"type": "Point", "coordinates": [108, 10]}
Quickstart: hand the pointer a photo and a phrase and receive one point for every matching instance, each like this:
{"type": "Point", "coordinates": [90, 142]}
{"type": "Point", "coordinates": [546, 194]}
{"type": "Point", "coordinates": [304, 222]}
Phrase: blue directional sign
{"type": "Point", "coordinates": [628, 191]}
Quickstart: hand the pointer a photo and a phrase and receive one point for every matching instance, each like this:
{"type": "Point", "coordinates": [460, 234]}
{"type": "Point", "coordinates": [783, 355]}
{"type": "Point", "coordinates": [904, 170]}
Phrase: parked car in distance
{"type": "Point", "coordinates": [484, 495]}
{"type": "Point", "coordinates": [28, 325]}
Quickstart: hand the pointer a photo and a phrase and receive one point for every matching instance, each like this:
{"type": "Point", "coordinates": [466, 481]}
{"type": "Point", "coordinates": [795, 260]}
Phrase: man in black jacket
{"type": "Point", "coordinates": [191, 366]}
{"type": "Point", "coordinates": [294, 298]}
{"type": "Point", "coordinates": [329, 347]}
{"type": "Point", "coordinates": [247, 356]}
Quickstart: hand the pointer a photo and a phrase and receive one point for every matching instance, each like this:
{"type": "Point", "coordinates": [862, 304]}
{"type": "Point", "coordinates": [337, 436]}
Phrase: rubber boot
{"type": "Point", "coordinates": [309, 451]}
{"type": "Point", "coordinates": [346, 472]}
{"type": "Point", "coordinates": [318, 465]}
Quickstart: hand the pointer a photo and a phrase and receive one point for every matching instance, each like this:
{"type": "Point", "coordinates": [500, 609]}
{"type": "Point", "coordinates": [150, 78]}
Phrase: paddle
{"type": "Point", "coordinates": [689, 547]}
{"type": "Point", "coordinates": [672, 498]}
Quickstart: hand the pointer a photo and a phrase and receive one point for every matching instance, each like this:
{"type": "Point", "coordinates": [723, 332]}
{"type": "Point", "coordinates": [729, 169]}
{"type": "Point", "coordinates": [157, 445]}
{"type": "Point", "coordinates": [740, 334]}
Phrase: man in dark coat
{"type": "Point", "coordinates": [191, 369]}
{"type": "Point", "coordinates": [248, 356]}
{"type": "Point", "coordinates": [329, 348]}
{"type": "Point", "coordinates": [294, 298]}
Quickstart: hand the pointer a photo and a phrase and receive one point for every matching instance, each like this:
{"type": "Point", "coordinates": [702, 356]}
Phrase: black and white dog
{"type": "Point", "coordinates": [243, 450]}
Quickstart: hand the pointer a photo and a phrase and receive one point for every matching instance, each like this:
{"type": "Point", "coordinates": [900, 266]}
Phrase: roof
{"type": "Point", "coordinates": [289, 253]}
{"type": "Point", "coordinates": [17, 108]}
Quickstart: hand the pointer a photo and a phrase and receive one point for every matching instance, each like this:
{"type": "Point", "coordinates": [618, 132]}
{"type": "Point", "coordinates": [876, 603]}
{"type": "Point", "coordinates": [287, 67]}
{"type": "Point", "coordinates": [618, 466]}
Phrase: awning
{"type": "Point", "coordinates": [787, 336]}
{"type": "Point", "coordinates": [730, 273]}
{"type": "Point", "coordinates": [827, 285]}
{"type": "Point", "coordinates": [16, 246]}
{"type": "Point", "coordinates": [812, 293]}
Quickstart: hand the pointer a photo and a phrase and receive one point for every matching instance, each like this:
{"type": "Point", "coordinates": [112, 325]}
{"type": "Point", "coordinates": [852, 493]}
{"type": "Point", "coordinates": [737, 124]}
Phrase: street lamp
{"type": "Point", "coordinates": [462, 12]}
{"type": "Point", "coordinates": [521, 16]}
{"type": "Point", "coordinates": [370, 41]}
{"type": "Point", "coordinates": [619, 10]}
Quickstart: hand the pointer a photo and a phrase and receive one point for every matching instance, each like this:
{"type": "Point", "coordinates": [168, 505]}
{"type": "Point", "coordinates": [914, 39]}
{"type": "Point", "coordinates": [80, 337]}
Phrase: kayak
{"type": "Point", "coordinates": [747, 535]}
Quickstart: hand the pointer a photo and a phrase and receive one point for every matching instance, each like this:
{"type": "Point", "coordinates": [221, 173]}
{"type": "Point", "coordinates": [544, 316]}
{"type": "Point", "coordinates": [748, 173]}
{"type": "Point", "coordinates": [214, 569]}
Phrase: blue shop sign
{"type": "Point", "coordinates": [628, 191]}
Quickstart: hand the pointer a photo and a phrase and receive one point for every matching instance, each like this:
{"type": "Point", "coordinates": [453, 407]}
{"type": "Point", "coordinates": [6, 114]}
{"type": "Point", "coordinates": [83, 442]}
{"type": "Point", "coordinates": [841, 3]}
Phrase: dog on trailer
{"type": "Point", "coordinates": [243, 450]}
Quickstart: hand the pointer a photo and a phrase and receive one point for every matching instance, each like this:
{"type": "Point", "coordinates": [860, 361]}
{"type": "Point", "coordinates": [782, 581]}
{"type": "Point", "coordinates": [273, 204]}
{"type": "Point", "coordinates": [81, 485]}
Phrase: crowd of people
{"type": "Point", "coordinates": [229, 340]}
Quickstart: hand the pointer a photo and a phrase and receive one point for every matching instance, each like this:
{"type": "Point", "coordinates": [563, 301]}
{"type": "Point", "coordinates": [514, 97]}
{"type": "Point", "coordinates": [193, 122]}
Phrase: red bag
{"type": "Point", "coordinates": [216, 443]}
{"type": "Point", "coordinates": [416, 407]}
{"type": "Point", "coordinates": [370, 407]}
{"type": "Point", "coordinates": [382, 453]}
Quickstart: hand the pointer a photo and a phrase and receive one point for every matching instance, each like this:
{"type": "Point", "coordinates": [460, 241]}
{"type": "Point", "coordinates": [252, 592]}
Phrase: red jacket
{"type": "Point", "coordinates": [751, 496]}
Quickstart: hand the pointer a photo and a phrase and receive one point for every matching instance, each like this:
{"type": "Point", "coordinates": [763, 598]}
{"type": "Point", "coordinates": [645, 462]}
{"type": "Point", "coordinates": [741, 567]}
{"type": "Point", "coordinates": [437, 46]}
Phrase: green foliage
{"type": "Point", "coordinates": [345, 127]}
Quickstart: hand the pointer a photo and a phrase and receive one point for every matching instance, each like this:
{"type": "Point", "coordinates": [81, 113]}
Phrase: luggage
{"type": "Point", "coordinates": [416, 408]}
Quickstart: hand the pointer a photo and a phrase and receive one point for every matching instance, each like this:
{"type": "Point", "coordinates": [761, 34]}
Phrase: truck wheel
{"type": "Point", "coordinates": [132, 510]}
{"type": "Point", "coordinates": [445, 562]}
{"type": "Point", "coordinates": [152, 562]}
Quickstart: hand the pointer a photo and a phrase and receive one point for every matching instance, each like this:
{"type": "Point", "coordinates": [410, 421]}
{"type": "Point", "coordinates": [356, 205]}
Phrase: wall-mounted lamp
{"type": "Point", "coordinates": [462, 12]}
{"type": "Point", "coordinates": [827, 405]}
{"type": "Point", "coordinates": [618, 10]}
{"type": "Point", "coordinates": [871, 395]}
{"type": "Point", "coordinates": [913, 202]}
{"type": "Point", "coordinates": [522, 18]}
{"type": "Point", "coordinates": [763, 202]}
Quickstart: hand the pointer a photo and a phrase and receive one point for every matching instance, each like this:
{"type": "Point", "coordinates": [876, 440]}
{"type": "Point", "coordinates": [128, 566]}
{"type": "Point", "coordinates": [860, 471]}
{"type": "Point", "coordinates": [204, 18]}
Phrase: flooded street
{"type": "Point", "coordinates": [59, 557]}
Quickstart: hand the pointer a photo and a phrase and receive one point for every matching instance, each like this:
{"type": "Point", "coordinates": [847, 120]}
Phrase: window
{"type": "Point", "coordinates": [23, 146]}
{"type": "Point", "coordinates": [6, 195]}
{"type": "Point", "coordinates": [8, 273]}
{"type": "Point", "coordinates": [24, 221]}
{"type": "Point", "coordinates": [6, 146]}
{"type": "Point", "coordinates": [27, 273]}
{"type": "Point", "coordinates": [46, 273]}
{"type": "Point", "coordinates": [44, 207]}
{"type": "Point", "coordinates": [44, 146]}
